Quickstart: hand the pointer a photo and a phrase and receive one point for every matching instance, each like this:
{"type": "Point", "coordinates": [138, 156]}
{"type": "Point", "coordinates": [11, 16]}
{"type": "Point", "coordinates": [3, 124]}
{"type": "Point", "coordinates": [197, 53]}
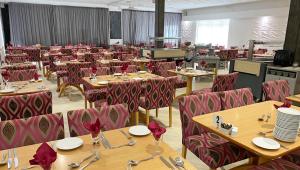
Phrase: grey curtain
{"type": "Point", "coordinates": [48, 24]}
{"type": "Point", "coordinates": [138, 26]}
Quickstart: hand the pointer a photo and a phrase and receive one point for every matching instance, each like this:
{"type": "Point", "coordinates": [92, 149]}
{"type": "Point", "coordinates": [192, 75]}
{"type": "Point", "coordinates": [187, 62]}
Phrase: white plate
{"type": "Point", "coordinates": [10, 90]}
{"type": "Point", "coordinates": [266, 143]}
{"type": "Point", "coordinates": [69, 143]}
{"type": "Point", "coordinates": [142, 72]}
{"type": "Point", "coordinates": [103, 82]}
{"type": "Point", "coordinates": [115, 60]}
{"type": "Point", "coordinates": [118, 74]}
{"type": "Point", "coordinates": [137, 78]}
{"type": "Point", "coordinates": [139, 130]}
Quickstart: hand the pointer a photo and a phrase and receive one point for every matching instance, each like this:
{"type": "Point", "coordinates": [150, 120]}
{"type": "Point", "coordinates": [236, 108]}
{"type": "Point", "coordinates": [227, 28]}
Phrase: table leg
{"type": "Point", "coordinates": [189, 86]}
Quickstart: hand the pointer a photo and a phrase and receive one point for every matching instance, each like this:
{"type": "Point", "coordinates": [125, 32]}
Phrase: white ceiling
{"type": "Point", "coordinates": [171, 5]}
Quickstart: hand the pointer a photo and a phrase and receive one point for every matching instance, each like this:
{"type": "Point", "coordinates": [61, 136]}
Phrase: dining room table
{"type": "Point", "coordinates": [247, 119]}
{"type": "Point", "coordinates": [294, 98]}
{"type": "Point", "coordinates": [115, 158]}
{"type": "Point", "coordinates": [24, 87]}
{"type": "Point", "coordinates": [189, 74]}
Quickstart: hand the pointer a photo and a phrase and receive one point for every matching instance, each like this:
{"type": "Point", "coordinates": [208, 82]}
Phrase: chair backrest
{"type": "Point", "coordinates": [37, 129]}
{"type": "Point", "coordinates": [67, 51]}
{"type": "Point", "coordinates": [74, 73]}
{"type": "Point", "coordinates": [119, 63]}
{"type": "Point", "coordinates": [159, 92]}
{"type": "Point", "coordinates": [26, 105]}
{"type": "Point", "coordinates": [225, 82]}
{"type": "Point", "coordinates": [88, 57]}
{"type": "Point", "coordinates": [20, 67]}
{"type": "Point", "coordinates": [111, 117]}
{"type": "Point", "coordinates": [276, 90]}
{"type": "Point", "coordinates": [236, 98]}
{"type": "Point", "coordinates": [130, 69]}
{"type": "Point", "coordinates": [21, 75]}
{"type": "Point", "coordinates": [232, 54]}
{"type": "Point", "coordinates": [223, 54]}
{"type": "Point", "coordinates": [195, 105]}
{"type": "Point", "coordinates": [127, 57]}
{"type": "Point", "coordinates": [125, 92]}
{"type": "Point", "coordinates": [16, 58]}
{"type": "Point", "coordinates": [163, 67]}
{"type": "Point", "coordinates": [33, 53]}
{"type": "Point", "coordinates": [86, 72]}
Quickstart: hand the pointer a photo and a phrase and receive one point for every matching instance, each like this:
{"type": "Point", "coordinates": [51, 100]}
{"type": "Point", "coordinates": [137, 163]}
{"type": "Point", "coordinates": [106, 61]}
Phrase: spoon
{"type": "Point", "coordinates": [130, 143]}
{"type": "Point", "coordinates": [77, 164]}
{"type": "Point", "coordinates": [135, 163]}
{"type": "Point", "coordinates": [179, 162]}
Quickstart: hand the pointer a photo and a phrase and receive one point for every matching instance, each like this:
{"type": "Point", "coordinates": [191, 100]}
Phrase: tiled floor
{"type": "Point", "coordinates": [73, 100]}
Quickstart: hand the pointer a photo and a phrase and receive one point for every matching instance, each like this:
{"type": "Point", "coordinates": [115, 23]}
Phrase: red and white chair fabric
{"type": "Point", "coordinates": [119, 63]}
{"type": "Point", "coordinates": [19, 67]}
{"type": "Point", "coordinates": [277, 164]}
{"type": "Point", "coordinates": [236, 98]}
{"type": "Point", "coordinates": [127, 57]}
{"type": "Point", "coordinates": [221, 83]}
{"type": "Point", "coordinates": [21, 75]}
{"type": "Point", "coordinates": [276, 90]}
{"type": "Point", "coordinates": [17, 58]}
{"type": "Point", "coordinates": [34, 54]}
{"type": "Point", "coordinates": [293, 157]}
{"type": "Point", "coordinates": [130, 69]}
{"type": "Point", "coordinates": [110, 116]}
{"type": "Point", "coordinates": [33, 130]}
{"type": "Point", "coordinates": [212, 149]}
{"type": "Point", "coordinates": [67, 51]}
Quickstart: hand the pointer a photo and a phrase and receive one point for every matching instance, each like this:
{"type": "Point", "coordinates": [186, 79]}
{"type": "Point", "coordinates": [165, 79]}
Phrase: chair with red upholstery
{"type": "Point", "coordinates": [21, 75]}
{"type": "Point", "coordinates": [110, 116]}
{"type": "Point", "coordinates": [26, 105]}
{"type": "Point", "coordinates": [17, 58]}
{"type": "Point", "coordinates": [127, 57]}
{"type": "Point", "coordinates": [119, 63]}
{"type": "Point", "coordinates": [293, 157]}
{"type": "Point", "coordinates": [130, 69]}
{"type": "Point", "coordinates": [158, 93]}
{"type": "Point", "coordinates": [221, 83]}
{"type": "Point", "coordinates": [33, 130]}
{"type": "Point", "coordinates": [34, 54]}
{"type": "Point", "coordinates": [67, 51]}
{"type": "Point", "coordinates": [88, 57]}
{"type": "Point", "coordinates": [276, 90]}
{"type": "Point", "coordinates": [236, 98]}
{"type": "Point", "coordinates": [276, 164]}
{"type": "Point", "coordinates": [162, 70]}
{"type": "Point", "coordinates": [232, 54]}
{"type": "Point", "coordinates": [212, 149]}
{"type": "Point", "coordinates": [74, 76]}
{"type": "Point", "coordinates": [19, 67]}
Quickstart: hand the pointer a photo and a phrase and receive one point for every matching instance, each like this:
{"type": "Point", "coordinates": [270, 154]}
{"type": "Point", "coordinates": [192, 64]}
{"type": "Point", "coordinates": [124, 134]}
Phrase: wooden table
{"type": "Point", "coordinates": [110, 159]}
{"type": "Point", "coordinates": [112, 78]}
{"type": "Point", "coordinates": [246, 119]}
{"type": "Point", "coordinates": [294, 98]}
{"type": "Point", "coordinates": [190, 75]}
{"type": "Point", "coordinates": [25, 87]}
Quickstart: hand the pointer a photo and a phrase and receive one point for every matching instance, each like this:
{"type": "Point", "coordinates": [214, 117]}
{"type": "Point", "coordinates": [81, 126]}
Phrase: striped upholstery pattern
{"type": "Point", "coordinates": [276, 90]}
{"type": "Point", "coordinates": [21, 75]}
{"type": "Point", "coordinates": [236, 98]}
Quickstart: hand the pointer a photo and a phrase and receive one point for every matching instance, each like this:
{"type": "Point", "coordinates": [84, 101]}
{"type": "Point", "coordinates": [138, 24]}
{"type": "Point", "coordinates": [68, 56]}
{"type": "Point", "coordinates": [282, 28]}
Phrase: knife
{"type": "Point", "coordinates": [106, 141]}
{"type": "Point", "coordinates": [166, 163]}
{"type": "Point", "coordinates": [173, 162]}
{"type": "Point", "coordinates": [16, 160]}
{"type": "Point", "coordinates": [9, 160]}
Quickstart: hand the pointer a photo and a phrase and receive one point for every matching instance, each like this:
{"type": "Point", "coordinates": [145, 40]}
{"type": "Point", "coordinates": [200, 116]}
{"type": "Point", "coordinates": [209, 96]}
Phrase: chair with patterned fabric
{"type": "Point", "coordinates": [119, 63]}
{"type": "Point", "coordinates": [232, 54]}
{"type": "Point", "coordinates": [26, 105]}
{"type": "Point", "coordinates": [236, 98]}
{"type": "Point", "coordinates": [88, 57]}
{"type": "Point", "coordinates": [276, 164]}
{"type": "Point", "coordinates": [16, 58]}
{"type": "Point", "coordinates": [276, 90]}
{"type": "Point", "coordinates": [92, 95]}
{"type": "Point", "coordinates": [162, 70]}
{"type": "Point", "coordinates": [158, 93]}
{"type": "Point", "coordinates": [293, 157]}
{"type": "Point", "coordinates": [221, 83]}
{"type": "Point", "coordinates": [74, 76]}
{"type": "Point", "coordinates": [21, 75]}
{"type": "Point", "coordinates": [19, 67]}
{"type": "Point", "coordinates": [111, 116]}
{"type": "Point", "coordinates": [212, 149]}
{"type": "Point", "coordinates": [33, 130]}
{"type": "Point", "coordinates": [34, 55]}
{"type": "Point", "coordinates": [67, 51]}
{"type": "Point", "coordinates": [130, 69]}
{"type": "Point", "coordinates": [127, 57]}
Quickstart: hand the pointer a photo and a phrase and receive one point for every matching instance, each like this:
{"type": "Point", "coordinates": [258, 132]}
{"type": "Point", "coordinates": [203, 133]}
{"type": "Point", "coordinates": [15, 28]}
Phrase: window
{"type": "Point", "coordinates": [212, 31]}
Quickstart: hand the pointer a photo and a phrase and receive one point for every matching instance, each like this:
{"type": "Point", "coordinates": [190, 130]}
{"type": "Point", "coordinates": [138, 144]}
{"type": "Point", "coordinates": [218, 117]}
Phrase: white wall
{"type": "Point", "coordinates": [263, 20]}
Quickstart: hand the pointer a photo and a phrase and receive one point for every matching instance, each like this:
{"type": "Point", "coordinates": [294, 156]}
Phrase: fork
{"type": "Point", "coordinates": [125, 134]}
{"type": "Point", "coordinates": [92, 161]}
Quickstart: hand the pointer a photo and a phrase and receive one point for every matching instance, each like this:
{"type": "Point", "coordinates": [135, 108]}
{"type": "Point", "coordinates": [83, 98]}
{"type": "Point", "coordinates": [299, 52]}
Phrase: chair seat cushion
{"type": "Point", "coordinates": [205, 90]}
{"type": "Point", "coordinates": [95, 94]}
{"type": "Point", "coordinates": [293, 157]}
{"type": "Point", "coordinates": [277, 164]}
{"type": "Point", "coordinates": [180, 83]}
{"type": "Point", "coordinates": [215, 151]}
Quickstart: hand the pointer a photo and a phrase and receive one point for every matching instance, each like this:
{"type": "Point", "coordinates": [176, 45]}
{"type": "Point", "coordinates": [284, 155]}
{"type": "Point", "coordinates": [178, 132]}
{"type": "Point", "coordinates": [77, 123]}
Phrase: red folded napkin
{"type": "Point", "coordinates": [156, 130]}
{"type": "Point", "coordinates": [286, 104]}
{"type": "Point", "coordinates": [94, 69]}
{"type": "Point", "coordinates": [93, 128]}
{"type": "Point", "coordinates": [44, 157]}
{"type": "Point", "coordinates": [36, 76]}
{"type": "Point", "coordinates": [124, 67]}
{"type": "Point", "coordinates": [5, 74]}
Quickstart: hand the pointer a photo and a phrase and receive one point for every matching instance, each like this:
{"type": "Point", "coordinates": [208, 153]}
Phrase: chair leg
{"type": "Point", "coordinates": [44, 72]}
{"type": "Point", "coordinates": [85, 103]}
{"type": "Point", "coordinates": [170, 116]}
{"type": "Point", "coordinates": [137, 118]}
{"type": "Point", "coordinates": [57, 84]}
{"type": "Point", "coordinates": [62, 89]}
{"type": "Point", "coordinates": [79, 88]}
{"type": "Point", "coordinates": [183, 152]}
{"type": "Point", "coordinates": [91, 104]}
{"type": "Point", "coordinates": [156, 112]}
{"type": "Point", "coordinates": [147, 117]}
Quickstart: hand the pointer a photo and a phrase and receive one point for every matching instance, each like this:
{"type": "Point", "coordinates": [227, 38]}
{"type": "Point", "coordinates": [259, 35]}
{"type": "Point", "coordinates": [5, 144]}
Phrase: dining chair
{"type": "Point", "coordinates": [127, 57]}
{"type": "Point", "coordinates": [130, 69]}
{"type": "Point", "coordinates": [88, 57]}
{"type": "Point", "coordinates": [16, 58]}
{"type": "Point", "coordinates": [276, 90]}
{"type": "Point", "coordinates": [67, 51]}
{"type": "Point", "coordinates": [21, 75]}
{"type": "Point", "coordinates": [159, 93]}
{"type": "Point", "coordinates": [19, 67]}
{"type": "Point", "coordinates": [33, 130]}
{"type": "Point", "coordinates": [92, 95]}
{"type": "Point", "coordinates": [34, 55]}
{"type": "Point", "coordinates": [162, 70]}
{"type": "Point", "coordinates": [276, 164]}
{"type": "Point", "coordinates": [110, 116]}
{"type": "Point", "coordinates": [221, 83]}
{"type": "Point", "coordinates": [293, 157]}
{"type": "Point", "coordinates": [119, 63]}
{"type": "Point", "coordinates": [212, 149]}
{"type": "Point", "coordinates": [25, 105]}
{"type": "Point", "coordinates": [74, 76]}
{"type": "Point", "coordinates": [232, 54]}
{"type": "Point", "coordinates": [236, 98]}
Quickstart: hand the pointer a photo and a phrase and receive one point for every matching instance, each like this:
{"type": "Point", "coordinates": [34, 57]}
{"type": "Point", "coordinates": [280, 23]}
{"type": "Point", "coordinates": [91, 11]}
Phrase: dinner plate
{"type": "Point", "coordinates": [139, 130]}
{"type": "Point", "coordinates": [115, 60]}
{"type": "Point", "coordinates": [69, 143]}
{"type": "Point", "coordinates": [142, 72]}
{"type": "Point", "coordinates": [266, 143]}
{"type": "Point", "coordinates": [9, 90]}
{"type": "Point", "coordinates": [118, 74]}
{"type": "Point", "coordinates": [137, 78]}
{"type": "Point", "coordinates": [102, 82]}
